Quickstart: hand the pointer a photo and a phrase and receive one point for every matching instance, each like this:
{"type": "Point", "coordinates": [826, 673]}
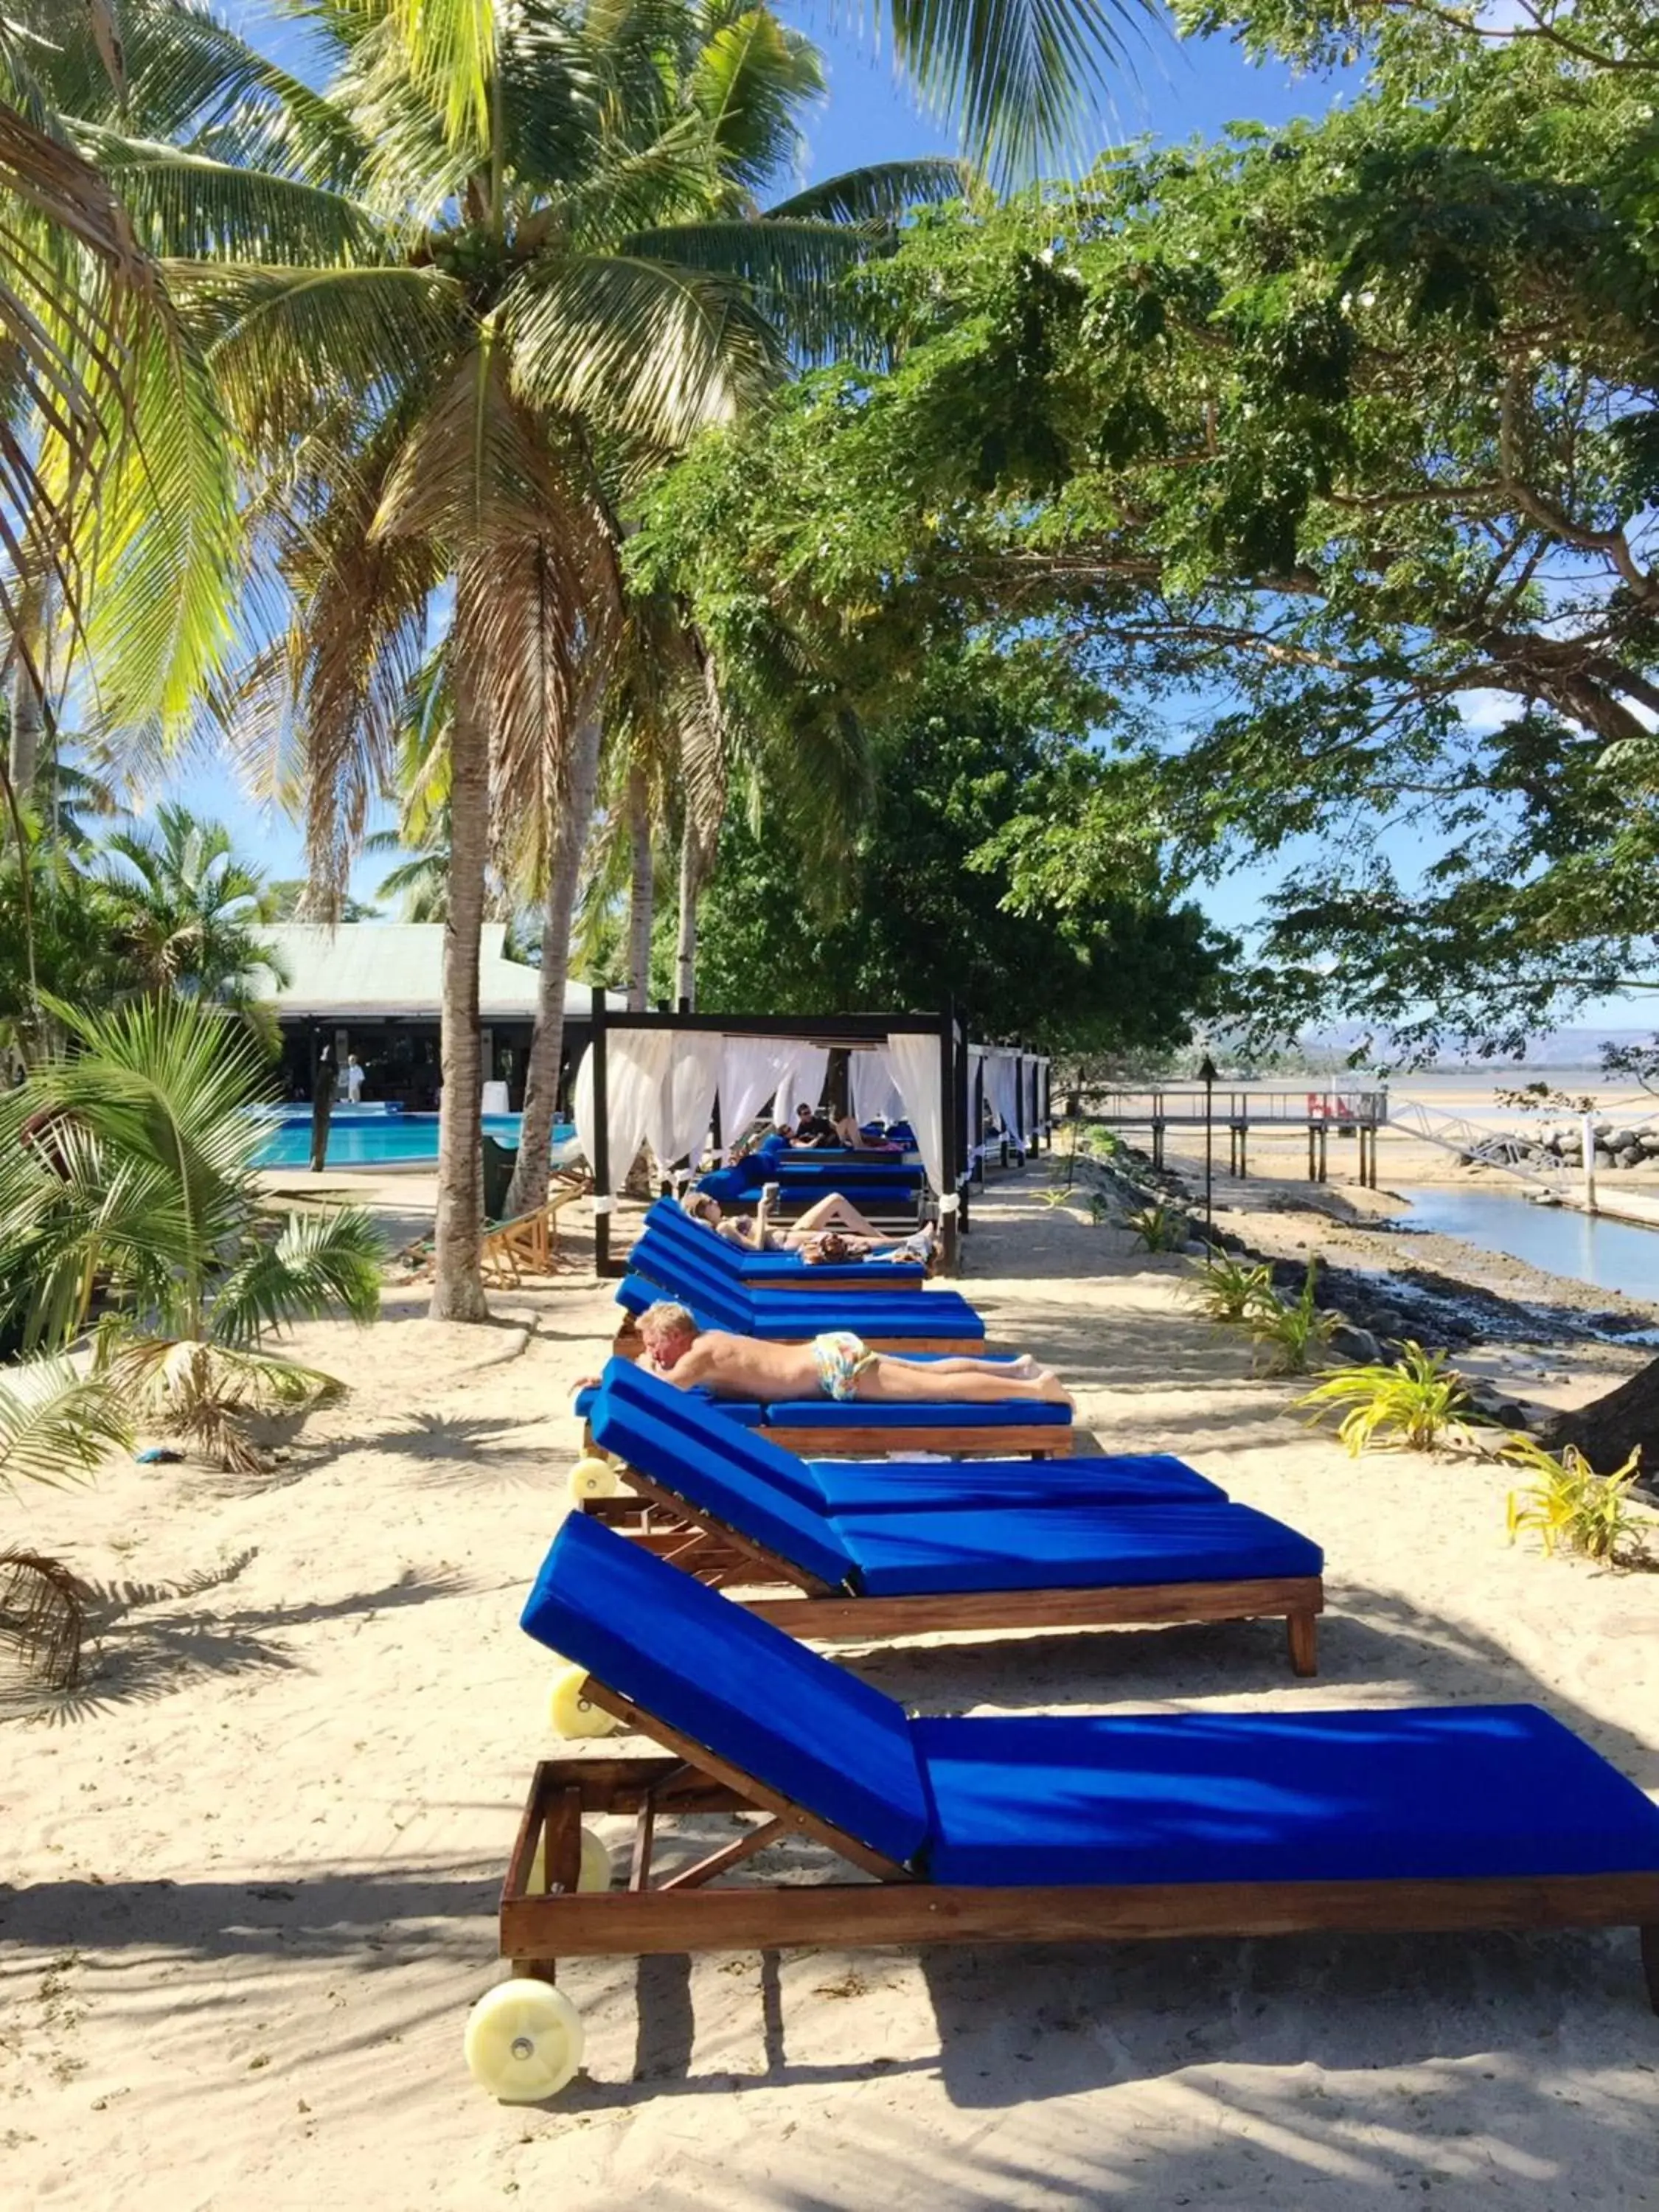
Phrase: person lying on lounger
{"type": "Point", "coordinates": [831, 1231]}
{"type": "Point", "coordinates": [837, 1364]}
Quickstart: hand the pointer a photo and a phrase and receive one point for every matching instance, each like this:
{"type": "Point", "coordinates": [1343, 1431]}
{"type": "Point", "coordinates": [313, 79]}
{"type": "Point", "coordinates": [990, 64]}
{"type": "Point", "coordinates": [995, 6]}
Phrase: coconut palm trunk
{"type": "Point", "coordinates": [685, 942]}
{"type": "Point", "coordinates": [529, 1189]}
{"type": "Point", "coordinates": [457, 1284]}
{"type": "Point", "coordinates": [642, 892]}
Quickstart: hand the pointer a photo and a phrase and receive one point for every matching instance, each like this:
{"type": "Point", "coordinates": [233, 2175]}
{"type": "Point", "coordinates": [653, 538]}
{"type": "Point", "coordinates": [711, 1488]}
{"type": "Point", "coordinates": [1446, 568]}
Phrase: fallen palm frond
{"type": "Point", "coordinates": [43, 1616]}
{"type": "Point", "coordinates": [203, 1393]}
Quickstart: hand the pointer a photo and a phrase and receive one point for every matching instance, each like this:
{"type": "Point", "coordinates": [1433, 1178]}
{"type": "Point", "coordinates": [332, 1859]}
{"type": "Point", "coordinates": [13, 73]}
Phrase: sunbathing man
{"type": "Point", "coordinates": [838, 1365]}
{"type": "Point", "coordinates": [834, 1222]}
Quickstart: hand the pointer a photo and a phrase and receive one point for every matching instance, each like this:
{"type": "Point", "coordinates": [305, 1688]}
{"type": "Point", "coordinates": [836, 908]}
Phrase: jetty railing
{"type": "Point", "coordinates": [1358, 1111]}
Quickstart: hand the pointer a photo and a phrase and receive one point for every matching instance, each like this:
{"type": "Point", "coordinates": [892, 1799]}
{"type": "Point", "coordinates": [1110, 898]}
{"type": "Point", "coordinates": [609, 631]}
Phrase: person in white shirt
{"type": "Point", "coordinates": [353, 1079]}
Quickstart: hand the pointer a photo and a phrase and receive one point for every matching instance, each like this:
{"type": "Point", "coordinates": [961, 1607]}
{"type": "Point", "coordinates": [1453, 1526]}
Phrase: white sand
{"type": "Point", "coordinates": [253, 1866]}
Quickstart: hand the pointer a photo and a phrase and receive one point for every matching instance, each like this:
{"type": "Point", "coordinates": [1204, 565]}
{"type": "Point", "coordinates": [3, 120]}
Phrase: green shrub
{"type": "Point", "coordinates": [1416, 1400]}
{"type": "Point", "coordinates": [1158, 1228]}
{"type": "Point", "coordinates": [1230, 1289]}
{"type": "Point", "coordinates": [1286, 1336]}
{"type": "Point", "coordinates": [1569, 1503]}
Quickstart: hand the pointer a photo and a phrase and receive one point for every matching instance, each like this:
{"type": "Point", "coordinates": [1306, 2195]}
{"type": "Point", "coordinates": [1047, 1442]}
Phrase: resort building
{"type": "Point", "coordinates": [375, 989]}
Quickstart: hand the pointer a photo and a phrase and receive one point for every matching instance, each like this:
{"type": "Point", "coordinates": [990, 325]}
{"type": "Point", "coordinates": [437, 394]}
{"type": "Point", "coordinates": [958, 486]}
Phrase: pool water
{"type": "Point", "coordinates": [362, 1139]}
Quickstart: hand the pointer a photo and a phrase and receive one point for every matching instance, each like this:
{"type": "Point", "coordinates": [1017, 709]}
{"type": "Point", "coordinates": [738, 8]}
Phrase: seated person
{"type": "Point", "coordinates": [838, 1365]}
{"type": "Point", "coordinates": [848, 1133]}
{"type": "Point", "coordinates": [833, 1229]}
{"type": "Point", "coordinates": [812, 1127]}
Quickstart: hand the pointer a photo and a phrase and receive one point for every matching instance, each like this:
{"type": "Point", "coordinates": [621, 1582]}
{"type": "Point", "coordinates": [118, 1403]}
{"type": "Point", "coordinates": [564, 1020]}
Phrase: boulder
{"type": "Point", "coordinates": [1355, 1344]}
{"type": "Point", "coordinates": [1385, 1321]}
{"type": "Point", "coordinates": [1627, 1156]}
{"type": "Point", "coordinates": [1619, 1141]}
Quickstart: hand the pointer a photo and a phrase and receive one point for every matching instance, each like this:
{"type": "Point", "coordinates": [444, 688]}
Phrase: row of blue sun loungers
{"type": "Point", "coordinates": [674, 1597]}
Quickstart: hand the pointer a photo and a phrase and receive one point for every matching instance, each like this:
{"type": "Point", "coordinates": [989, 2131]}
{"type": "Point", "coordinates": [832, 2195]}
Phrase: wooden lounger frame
{"type": "Point", "coordinates": [791, 1599]}
{"type": "Point", "coordinates": [680, 1911]}
{"type": "Point", "coordinates": [1006, 1440]}
{"type": "Point", "coordinates": [529, 1244]}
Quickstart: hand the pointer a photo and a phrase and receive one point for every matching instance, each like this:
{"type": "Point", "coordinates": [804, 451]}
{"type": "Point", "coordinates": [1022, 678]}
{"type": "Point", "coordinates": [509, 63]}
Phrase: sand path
{"type": "Point", "coordinates": [251, 1867]}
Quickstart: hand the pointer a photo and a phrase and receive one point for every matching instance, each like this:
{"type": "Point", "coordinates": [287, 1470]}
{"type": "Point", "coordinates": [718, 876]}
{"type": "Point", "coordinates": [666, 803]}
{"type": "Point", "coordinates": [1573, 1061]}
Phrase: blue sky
{"type": "Point", "coordinates": [1172, 90]}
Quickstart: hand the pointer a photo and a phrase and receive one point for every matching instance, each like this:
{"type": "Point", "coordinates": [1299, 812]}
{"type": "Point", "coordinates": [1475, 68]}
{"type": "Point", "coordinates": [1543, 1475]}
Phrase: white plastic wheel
{"type": "Point", "coordinates": [593, 1477]}
{"type": "Point", "coordinates": [596, 1869]}
{"type": "Point", "coordinates": [571, 1712]}
{"type": "Point", "coordinates": [524, 2041]}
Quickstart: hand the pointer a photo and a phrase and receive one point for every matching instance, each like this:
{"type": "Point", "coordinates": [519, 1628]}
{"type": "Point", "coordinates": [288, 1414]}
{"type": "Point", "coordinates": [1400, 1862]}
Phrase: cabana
{"type": "Point", "coordinates": [664, 1079]}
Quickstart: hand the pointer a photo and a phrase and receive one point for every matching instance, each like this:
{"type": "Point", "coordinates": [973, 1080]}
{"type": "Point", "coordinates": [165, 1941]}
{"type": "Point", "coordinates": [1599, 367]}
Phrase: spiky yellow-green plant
{"type": "Point", "coordinates": [1416, 1400]}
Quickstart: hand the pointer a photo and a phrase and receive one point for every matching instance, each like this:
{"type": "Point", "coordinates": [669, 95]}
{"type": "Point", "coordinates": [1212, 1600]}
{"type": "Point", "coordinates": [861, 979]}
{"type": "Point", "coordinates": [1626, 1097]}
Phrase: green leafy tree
{"type": "Point", "coordinates": [185, 910]}
{"type": "Point", "coordinates": [978, 877]}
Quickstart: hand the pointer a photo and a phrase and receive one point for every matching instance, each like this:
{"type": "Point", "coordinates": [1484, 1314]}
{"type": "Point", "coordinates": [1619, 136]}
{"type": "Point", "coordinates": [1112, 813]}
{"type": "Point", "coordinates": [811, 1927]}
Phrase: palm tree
{"type": "Point", "coordinates": [186, 910]}
{"type": "Point", "coordinates": [511, 323]}
{"type": "Point", "coordinates": [128, 1196]}
{"type": "Point", "coordinates": [461, 304]}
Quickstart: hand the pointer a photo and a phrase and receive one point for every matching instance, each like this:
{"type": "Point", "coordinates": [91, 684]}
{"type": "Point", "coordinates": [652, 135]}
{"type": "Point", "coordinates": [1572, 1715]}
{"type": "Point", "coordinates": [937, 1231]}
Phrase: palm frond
{"type": "Point", "coordinates": [1016, 75]}
{"type": "Point", "coordinates": [189, 206]}
{"type": "Point", "coordinates": [203, 1392]}
{"type": "Point", "coordinates": [42, 1615]}
{"type": "Point", "coordinates": [879, 194]}
{"type": "Point", "coordinates": [642, 347]}
{"type": "Point", "coordinates": [56, 1425]}
{"type": "Point", "coordinates": [750, 81]}
{"type": "Point", "coordinates": [320, 1263]}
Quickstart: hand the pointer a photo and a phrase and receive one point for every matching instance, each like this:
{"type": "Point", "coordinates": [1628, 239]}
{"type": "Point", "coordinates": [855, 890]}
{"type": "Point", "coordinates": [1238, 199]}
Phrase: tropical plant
{"type": "Point", "coordinates": [1287, 1335]}
{"type": "Point", "coordinates": [1230, 1288]}
{"type": "Point", "coordinates": [1416, 1400]}
{"type": "Point", "coordinates": [56, 1425]}
{"type": "Point", "coordinates": [185, 910]}
{"type": "Point", "coordinates": [1569, 1503]}
{"type": "Point", "coordinates": [1158, 1227]}
{"type": "Point", "coordinates": [128, 1199]}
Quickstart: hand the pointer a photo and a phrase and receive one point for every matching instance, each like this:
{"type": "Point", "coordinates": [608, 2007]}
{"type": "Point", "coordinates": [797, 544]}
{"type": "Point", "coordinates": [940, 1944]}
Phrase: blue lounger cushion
{"type": "Point", "coordinates": [824, 1739]}
{"type": "Point", "coordinates": [1321, 1796]}
{"type": "Point", "coordinates": [686, 1273]}
{"type": "Point", "coordinates": [1419, 1794]}
{"type": "Point", "coordinates": [670, 1221]}
{"type": "Point", "coordinates": [1069, 1547]}
{"type": "Point", "coordinates": [735, 1480]}
{"type": "Point", "coordinates": [829, 1413]}
{"type": "Point", "coordinates": [743, 1412]}
{"type": "Point", "coordinates": [671, 1260]}
{"type": "Point", "coordinates": [789, 1320]}
{"type": "Point", "coordinates": [885, 1486]}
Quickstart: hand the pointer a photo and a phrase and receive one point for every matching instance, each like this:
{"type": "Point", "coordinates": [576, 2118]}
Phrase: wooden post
{"type": "Point", "coordinates": [602, 1198]}
{"type": "Point", "coordinates": [1588, 1127]}
{"type": "Point", "coordinates": [950, 1197]}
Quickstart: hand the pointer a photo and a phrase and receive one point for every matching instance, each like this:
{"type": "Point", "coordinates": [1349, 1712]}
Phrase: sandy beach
{"type": "Point", "coordinates": [250, 1867]}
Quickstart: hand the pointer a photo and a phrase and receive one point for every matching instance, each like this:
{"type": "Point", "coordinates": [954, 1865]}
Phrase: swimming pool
{"type": "Point", "coordinates": [363, 1137]}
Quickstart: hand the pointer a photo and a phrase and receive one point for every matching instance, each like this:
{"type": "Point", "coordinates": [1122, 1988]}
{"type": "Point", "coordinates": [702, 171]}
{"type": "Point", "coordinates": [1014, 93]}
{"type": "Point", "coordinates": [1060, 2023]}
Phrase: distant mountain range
{"type": "Point", "coordinates": [1575, 1048]}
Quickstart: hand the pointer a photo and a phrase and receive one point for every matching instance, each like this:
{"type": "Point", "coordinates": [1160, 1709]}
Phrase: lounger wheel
{"type": "Point", "coordinates": [524, 2041]}
{"type": "Point", "coordinates": [571, 1711]}
{"type": "Point", "coordinates": [593, 1477]}
{"type": "Point", "coordinates": [596, 1868]}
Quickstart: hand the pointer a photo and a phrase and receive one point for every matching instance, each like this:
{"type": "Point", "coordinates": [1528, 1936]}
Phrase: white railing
{"type": "Point", "coordinates": [1488, 1148]}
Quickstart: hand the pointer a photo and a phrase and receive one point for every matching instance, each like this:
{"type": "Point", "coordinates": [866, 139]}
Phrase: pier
{"type": "Point", "coordinates": [1358, 1113]}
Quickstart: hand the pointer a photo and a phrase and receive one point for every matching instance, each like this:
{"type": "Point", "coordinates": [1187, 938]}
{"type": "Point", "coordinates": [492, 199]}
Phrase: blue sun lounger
{"type": "Point", "coordinates": [816, 1427]}
{"type": "Point", "coordinates": [1023, 1829]}
{"type": "Point", "coordinates": [672, 1260]}
{"type": "Point", "coordinates": [781, 1271]}
{"type": "Point", "coordinates": [884, 1486]}
{"type": "Point", "coordinates": [924, 1320]}
{"type": "Point", "coordinates": [724, 1515]}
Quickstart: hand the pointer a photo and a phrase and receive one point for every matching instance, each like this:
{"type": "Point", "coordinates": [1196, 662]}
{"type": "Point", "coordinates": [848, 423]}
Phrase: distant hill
{"type": "Point", "coordinates": [1561, 1048]}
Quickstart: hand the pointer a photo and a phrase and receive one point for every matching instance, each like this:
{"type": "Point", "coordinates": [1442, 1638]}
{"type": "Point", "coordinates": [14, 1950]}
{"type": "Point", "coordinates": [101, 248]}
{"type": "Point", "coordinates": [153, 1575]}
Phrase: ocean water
{"type": "Point", "coordinates": [365, 1139]}
{"type": "Point", "coordinates": [1614, 1256]}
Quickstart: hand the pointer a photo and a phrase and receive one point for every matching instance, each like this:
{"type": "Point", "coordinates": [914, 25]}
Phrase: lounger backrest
{"type": "Point", "coordinates": [698, 1416]}
{"type": "Point", "coordinates": [711, 1256]}
{"type": "Point", "coordinates": [740, 1688]}
{"type": "Point", "coordinates": [702, 1471]}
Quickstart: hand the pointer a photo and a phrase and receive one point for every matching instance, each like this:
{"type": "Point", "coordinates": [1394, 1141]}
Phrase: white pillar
{"type": "Point", "coordinates": [1588, 1127]}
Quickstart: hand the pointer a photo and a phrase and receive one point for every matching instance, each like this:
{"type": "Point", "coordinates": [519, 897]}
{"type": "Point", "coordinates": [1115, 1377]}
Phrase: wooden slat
{"type": "Point", "coordinates": [1167, 1602]}
{"type": "Point", "coordinates": [1013, 1440]}
{"type": "Point", "coordinates": [919, 1912]}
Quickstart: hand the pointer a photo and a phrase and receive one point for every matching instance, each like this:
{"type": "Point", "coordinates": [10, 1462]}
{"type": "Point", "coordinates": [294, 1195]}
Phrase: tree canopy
{"type": "Point", "coordinates": [1336, 450]}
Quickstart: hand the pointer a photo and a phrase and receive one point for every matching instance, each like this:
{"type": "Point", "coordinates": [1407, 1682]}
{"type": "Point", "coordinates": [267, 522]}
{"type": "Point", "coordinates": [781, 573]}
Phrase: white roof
{"type": "Point", "coordinates": [395, 969]}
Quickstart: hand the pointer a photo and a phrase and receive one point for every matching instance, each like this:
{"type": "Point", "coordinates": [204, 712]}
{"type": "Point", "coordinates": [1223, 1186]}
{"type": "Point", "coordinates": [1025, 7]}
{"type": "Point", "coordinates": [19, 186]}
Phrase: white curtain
{"type": "Point", "coordinates": [875, 1094]}
{"type": "Point", "coordinates": [635, 1063]}
{"type": "Point", "coordinates": [979, 1095]}
{"type": "Point", "coordinates": [804, 1071]}
{"type": "Point", "coordinates": [750, 1068]}
{"type": "Point", "coordinates": [678, 1125]}
{"type": "Point", "coordinates": [914, 1061]}
{"type": "Point", "coordinates": [1002, 1078]}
